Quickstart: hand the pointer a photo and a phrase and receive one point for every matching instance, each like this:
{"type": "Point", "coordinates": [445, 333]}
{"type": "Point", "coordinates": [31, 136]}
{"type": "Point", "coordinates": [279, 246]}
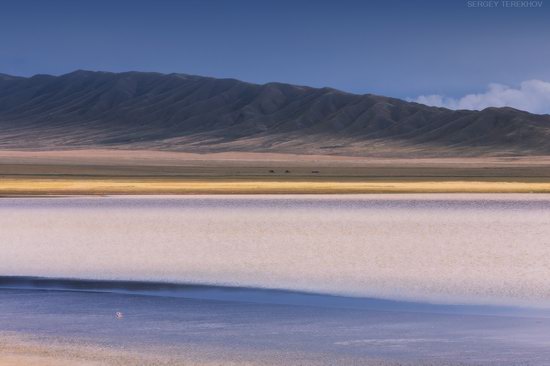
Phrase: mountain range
{"type": "Point", "coordinates": [178, 112]}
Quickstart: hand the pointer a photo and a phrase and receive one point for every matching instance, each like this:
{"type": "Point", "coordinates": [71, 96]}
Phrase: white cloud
{"type": "Point", "coordinates": [532, 96]}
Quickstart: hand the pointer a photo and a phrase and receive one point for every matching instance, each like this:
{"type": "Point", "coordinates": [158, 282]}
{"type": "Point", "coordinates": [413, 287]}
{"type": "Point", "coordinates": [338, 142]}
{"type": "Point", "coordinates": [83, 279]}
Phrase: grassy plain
{"type": "Point", "coordinates": [101, 172]}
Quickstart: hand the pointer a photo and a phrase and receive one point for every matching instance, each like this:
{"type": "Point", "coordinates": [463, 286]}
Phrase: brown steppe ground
{"type": "Point", "coordinates": [156, 172]}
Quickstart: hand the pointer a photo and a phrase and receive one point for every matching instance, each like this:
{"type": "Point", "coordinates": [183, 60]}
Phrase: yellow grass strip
{"type": "Point", "coordinates": [38, 186]}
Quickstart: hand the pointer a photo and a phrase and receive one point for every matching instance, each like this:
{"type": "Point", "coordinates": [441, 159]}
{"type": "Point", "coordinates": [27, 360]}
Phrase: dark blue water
{"type": "Point", "coordinates": [251, 324]}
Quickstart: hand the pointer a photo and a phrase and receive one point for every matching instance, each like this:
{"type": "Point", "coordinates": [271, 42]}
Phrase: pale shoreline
{"type": "Point", "coordinates": [21, 350]}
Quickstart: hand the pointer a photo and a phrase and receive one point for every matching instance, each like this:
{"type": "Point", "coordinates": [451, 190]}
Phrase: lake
{"type": "Point", "coordinates": [305, 279]}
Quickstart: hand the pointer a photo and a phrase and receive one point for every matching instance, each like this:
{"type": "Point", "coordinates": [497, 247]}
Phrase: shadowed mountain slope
{"type": "Point", "coordinates": [138, 110]}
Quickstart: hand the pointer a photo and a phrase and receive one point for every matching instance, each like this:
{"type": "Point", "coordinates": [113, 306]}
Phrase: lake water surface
{"type": "Point", "coordinates": [358, 279]}
{"type": "Point", "coordinates": [473, 249]}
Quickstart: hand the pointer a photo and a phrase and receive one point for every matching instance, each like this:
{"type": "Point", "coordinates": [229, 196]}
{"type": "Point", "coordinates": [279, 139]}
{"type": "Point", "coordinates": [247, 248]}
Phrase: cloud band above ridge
{"type": "Point", "coordinates": [531, 96]}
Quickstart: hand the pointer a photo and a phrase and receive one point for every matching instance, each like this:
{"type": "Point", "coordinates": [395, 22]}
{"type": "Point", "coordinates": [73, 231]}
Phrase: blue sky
{"type": "Point", "coordinates": [397, 48]}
